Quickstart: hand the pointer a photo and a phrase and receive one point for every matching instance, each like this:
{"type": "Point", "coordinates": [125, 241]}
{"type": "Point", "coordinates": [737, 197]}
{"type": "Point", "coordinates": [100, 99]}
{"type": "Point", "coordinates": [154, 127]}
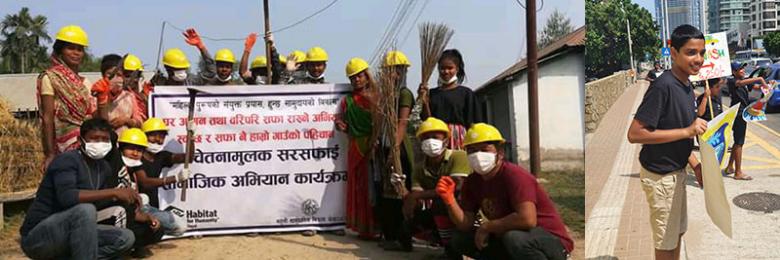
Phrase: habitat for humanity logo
{"type": "Point", "coordinates": [310, 207]}
{"type": "Point", "coordinates": [202, 216]}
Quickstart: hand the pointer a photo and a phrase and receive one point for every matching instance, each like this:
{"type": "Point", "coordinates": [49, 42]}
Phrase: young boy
{"type": "Point", "coordinates": [154, 160]}
{"type": "Point", "coordinates": [665, 124]}
{"type": "Point", "coordinates": [62, 220]}
{"type": "Point", "coordinates": [713, 93]}
{"type": "Point", "coordinates": [520, 220]}
{"type": "Point", "coordinates": [739, 89]}
{"type": "Point", "coordinates": [437, 163]}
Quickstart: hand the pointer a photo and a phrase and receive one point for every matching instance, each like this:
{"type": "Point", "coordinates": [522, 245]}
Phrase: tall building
{"type": "Point", "coordinates": [680, 12]}
{"type": "Point", "coordinates": [731, 13]}
{"type": "Point", "coordinates": [763, 17]}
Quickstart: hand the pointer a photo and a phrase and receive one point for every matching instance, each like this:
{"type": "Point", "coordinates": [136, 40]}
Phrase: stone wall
{"type": "Point", "coordinates": [600, 95]}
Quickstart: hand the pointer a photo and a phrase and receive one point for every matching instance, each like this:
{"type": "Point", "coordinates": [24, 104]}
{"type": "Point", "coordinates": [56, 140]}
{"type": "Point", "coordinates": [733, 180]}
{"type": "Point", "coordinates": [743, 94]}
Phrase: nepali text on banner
{"type": "Point", "coordinates": [267, 158]}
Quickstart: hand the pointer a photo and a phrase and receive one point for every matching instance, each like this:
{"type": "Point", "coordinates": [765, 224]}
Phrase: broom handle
{"type": "Point", "coordinates": [709, 98]}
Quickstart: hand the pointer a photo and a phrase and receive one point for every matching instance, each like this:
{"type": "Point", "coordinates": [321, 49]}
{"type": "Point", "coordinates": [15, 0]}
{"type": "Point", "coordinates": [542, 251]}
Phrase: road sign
{"type": "Point", "coordinates": [666, 52]}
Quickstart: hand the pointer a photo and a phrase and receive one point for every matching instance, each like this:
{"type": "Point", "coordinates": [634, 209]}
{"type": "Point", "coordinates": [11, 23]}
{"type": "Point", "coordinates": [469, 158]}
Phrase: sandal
{"type": "Point", "coordinates": [744, 177]}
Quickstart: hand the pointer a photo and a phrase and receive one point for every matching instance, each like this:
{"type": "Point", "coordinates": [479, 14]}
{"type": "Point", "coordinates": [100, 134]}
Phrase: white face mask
{"type": "Point", "coordinates": [154, 148]}
{"type": "Point", "coordinates": [447, 82]}
{"type": "Point", "coordinates": [226, 79]}
{"type": "Point", "coordinates": [179, 75]}
{"type": "Point", "coordinates": [97, 150]}
{"type": "Point", "coordinates": [313, 77]}
{"type": "Point", "coordinates": [482, 162]}
{"type": "Point", "coordinates": [131, 162]}
{"type": "Point", "coordinates": [432, 147]}
{"type": "Point", "coordinates": [260, 80]}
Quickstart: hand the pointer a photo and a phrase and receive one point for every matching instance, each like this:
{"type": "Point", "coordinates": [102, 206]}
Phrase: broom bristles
{"type": "Point", "coordinates": [433, 39]}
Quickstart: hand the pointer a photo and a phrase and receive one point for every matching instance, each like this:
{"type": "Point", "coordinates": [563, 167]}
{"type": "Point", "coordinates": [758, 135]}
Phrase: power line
{"type": "Point", "coordinates": [307, 17]}
{"type": "Point", "coordinates": [415, 22]}
{"type": "Point", "coordinates": [538, 9]}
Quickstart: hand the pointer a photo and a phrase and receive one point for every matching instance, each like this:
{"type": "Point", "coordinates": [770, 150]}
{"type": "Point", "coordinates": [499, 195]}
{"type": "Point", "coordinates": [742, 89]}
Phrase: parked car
{"type": "Point", "coordinates": [773, 105]}
{"type": "Point", "coordinates": [755, 63]}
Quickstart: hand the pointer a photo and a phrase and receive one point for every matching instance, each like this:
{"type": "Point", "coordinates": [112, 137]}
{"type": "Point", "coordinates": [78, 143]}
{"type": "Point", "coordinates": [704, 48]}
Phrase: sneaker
{"type": "Point", "coordinates": [309, 233]}
{"type": "Point", "coordinates": [340, 232]}
{"type": "Point", "coordinates": [142, 252]}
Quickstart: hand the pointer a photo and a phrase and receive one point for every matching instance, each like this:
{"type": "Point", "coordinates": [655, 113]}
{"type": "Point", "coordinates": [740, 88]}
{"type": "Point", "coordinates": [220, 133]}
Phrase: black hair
{"type": "Point", "coordinates": [454, 55]}
{"type": "Point", "coordinates": [58, 46]}
{"type": "Point", "coordinates": [713, 81]}
{"type": "Point", "coordinates": [109, 61]}
{"type": "Point", "coordinates": [94, 124]}
{"type": "Point", "coordinates": [683, 33]}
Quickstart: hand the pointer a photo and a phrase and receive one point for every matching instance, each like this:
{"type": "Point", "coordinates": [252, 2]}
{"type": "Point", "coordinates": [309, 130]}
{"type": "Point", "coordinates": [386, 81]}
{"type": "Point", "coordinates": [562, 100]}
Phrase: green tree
{"type": "Point", "coordinates": [772, 43]}
{"type": "Point", "coordinates": [557, 25]}
{"type": "Point", "coordinates": [606, 47]}
{"type": "Point", "coordinates": [22, 46]}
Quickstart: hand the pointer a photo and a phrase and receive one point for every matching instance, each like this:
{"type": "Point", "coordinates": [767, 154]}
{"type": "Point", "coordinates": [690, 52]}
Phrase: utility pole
{"type": "Point", "coordinates": [668, 32]}
{"type": "Point", "coordinates": [267, 44]}
{"type": "Point", "coordinates": [630, 50]}
{"type": "Point", "coordinates": [533, 84]}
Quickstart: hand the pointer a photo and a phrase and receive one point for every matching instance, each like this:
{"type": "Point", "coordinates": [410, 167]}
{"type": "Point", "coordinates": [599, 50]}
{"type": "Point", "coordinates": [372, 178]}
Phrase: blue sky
{"type": "Point", "coordinates": [490, 34]}
{"type": "Point", "coordinates": [647, 4]}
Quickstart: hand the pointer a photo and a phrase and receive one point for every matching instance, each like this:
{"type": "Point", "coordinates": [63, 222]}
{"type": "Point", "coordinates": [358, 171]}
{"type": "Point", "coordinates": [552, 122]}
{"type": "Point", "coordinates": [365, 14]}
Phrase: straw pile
{"type": "Point", "coordinates": [21, 154]}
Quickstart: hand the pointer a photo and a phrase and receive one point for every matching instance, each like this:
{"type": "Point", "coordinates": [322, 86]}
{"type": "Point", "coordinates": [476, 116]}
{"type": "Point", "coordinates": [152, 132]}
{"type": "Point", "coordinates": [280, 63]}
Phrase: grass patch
{"type": "Point", "coordinates": [567, 190]}
{"type": "Point", "coordinates": [9, 235]}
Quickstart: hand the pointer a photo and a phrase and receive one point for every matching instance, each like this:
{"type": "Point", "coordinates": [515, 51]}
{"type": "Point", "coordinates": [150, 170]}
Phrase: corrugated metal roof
{"type": "Point", "coordinates": [572, 40]}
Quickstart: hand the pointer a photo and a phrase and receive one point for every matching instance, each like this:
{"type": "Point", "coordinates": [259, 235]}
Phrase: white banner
{"type": "Point", "coordinates": [267, 158]}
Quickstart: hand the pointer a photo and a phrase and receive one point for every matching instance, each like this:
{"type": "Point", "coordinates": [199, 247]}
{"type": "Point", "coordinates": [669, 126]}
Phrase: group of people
{"type": "Point", "coordinates": [666, 123]}
{"type": "Point", "coordinates": [104, 158]}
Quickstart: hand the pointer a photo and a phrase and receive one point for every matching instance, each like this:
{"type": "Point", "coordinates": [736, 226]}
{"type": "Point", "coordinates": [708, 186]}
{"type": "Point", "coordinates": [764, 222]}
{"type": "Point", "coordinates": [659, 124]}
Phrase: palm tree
{"type": "Point", "coordinates": [22, 43]}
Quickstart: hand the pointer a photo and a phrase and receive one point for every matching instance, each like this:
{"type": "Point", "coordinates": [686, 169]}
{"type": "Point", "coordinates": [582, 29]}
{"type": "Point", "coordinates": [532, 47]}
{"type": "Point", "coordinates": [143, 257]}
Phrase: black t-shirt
{"type": "Point", "coordinates": [65, 177]}
{"type": "Point", "coordinates": [717, 106]}
{"type": "Point", "coordinates": [163, 159]}
{"type": "Point", "coordinates": [668, 104]}
{"type": "Point", "coordinates": [739, 95]}
{"type": "Point", "coordinates": [455, 106]}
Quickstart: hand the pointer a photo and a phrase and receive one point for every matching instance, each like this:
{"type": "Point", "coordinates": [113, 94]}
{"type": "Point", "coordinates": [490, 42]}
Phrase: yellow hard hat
{"type": "Point", "coordinates": [176, 59]}
{"type": "Point", "coordinates": [73, 34]}
{"type": "Point", "coordinates": [154, 124]}
{"type": "Point", "coordinates": [480, 133]}
{"type": "Point", "coordinates": [134, 136]}
{"type": "Point", "coordinates": [316, 54]}
{"type": "Point", "coordinates": [132, 63]}
{"type": "Point", "coordinates": [300, 56]}
{"type": "Point", "coordinates": [259, 62]}
{"type": "Point", "coordinates": [433, 124]}
{"type": "Point", "coordinates": [355, 66]}
{"type": "Point", "coordinates": [225, 55]}
{"type": "Point", "coordinates": [395, 58]}
{"type": "Point", "coordinates": [282, 59]}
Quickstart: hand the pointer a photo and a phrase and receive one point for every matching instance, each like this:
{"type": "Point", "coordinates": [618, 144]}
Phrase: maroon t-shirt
{"type": "Point", "coordinates": [511, 185]}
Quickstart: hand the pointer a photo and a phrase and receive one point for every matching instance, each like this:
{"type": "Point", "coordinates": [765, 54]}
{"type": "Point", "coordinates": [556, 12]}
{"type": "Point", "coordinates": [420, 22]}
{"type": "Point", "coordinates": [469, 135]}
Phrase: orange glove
{"type": "Point", "coordinates": [100, 90]}
{"type": "Point", "coordinates": [148, 89]}
{"type": "Point", "coordinates": [446, 190]}
{"type": "Point", "coordinates": [192, 38]}
{"type": "Point", "coordinates": [250, 41]}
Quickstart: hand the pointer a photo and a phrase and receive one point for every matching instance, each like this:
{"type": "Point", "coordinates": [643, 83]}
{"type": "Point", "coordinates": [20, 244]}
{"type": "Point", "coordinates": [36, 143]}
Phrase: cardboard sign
{"type": "Point", "coordinates": [716, 58]}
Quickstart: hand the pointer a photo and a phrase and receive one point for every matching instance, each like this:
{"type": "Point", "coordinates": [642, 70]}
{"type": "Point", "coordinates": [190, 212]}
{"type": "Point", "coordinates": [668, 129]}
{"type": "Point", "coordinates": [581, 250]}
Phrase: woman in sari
{"type": "Point", "coordinates": [355, 120]}
{"type": "Point", "coordinates": [63, 95]}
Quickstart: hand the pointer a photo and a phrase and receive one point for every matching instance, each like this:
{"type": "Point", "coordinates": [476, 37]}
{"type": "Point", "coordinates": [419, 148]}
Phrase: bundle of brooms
{"type": "Point", "coordinates": [386, 123]}
{"type": "Point", "coordinates": [21, 154]}
{"type": "Point", "coordinates": [433, 40]}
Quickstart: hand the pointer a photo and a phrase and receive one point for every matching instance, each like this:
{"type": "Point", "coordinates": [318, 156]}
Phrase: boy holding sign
{"type": "Point", "coordinates": [665, 125]}
{"type": "Point", "coordinates": [739, 89]}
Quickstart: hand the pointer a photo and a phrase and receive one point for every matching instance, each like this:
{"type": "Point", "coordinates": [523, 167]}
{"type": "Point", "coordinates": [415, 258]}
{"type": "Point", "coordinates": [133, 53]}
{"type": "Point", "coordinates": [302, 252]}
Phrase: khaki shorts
{"type": "Point", "coordinates": [668, 210]}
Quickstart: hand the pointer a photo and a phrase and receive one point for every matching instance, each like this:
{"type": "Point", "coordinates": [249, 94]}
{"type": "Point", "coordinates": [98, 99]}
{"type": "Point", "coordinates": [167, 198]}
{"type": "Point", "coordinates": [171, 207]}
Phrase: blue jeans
{"type": "Point", "coordinates": [166, 218]}
{"type": "Point", "coordinates": [75, 234]}
{"type": "Point", "coordinates": [516, 244]}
